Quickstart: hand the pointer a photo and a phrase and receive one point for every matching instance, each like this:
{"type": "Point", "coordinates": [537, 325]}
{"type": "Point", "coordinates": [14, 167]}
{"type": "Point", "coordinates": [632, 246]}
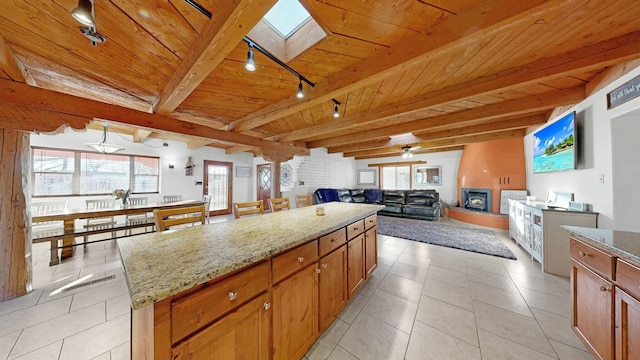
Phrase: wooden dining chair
{"type": "Point", "coordinates": [303, 200]}
{"type": "Point", "coordinates": [145, 218]}
{"type": "Point", "coordinates": [279, 204]}
{"type": "Point", "coordinates": [172, 198]}
{"type": "Point", "coordinates": [248, 208]}
{"type": "Point", "coordinates": [164, 218]}
{"type": "Point", "coordinates": [99, 223]}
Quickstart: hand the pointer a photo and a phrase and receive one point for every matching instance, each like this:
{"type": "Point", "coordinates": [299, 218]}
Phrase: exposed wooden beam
{"type": "Point", "coordinates": [193, 144]}
{"type": "Point", "coordinates": [10, 64]}
{"type": "Point", "coordinates": [19, 95]}
{"type": "Point", "coordinates": [599, 55]}
{"type": "Point", "coordinates": [428, 151]}
{"type": "Point", "coordinates": [526, 106]}
{"type": "Point", "coordinates": [608, 76]}
{"type": "Point", "coordinates": [237, 149]}
{"type": "Point", "coordinates": [139, 135]}
{"type": "Point", "coordinates": [462, 140]}
{"type": "Point", "coordinates": [416, 138]}
{"type": "Point", "coordinates": [489, 17]}
{"type": "Point", "coordinates": [217, 39]}
{"type": "Point", "coordinates": [399, 163]}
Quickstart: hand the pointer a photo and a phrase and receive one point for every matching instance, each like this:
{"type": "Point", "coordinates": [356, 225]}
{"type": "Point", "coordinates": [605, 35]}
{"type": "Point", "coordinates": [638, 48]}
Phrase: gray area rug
{"type": "Point", "coordinates": [476, 240]}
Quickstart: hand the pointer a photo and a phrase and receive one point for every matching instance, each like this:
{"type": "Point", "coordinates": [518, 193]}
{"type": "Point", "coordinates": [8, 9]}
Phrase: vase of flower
{"type": "Point", "coordinates": [122, 195]}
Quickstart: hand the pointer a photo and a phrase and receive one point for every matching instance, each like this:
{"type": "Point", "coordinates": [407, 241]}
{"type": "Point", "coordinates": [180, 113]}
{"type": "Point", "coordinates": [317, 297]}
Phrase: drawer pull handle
{"type": "Point", "coordinates": [324, 266]}
{"type": "Point", "coordinates": [233, 295]}
{"type": "Point", "coordinates": [604, 288]}
{"type": "Point", "coordinates": [318, 271]}
{"type": "Point", "coordinates": [267, 305]}
{"type": "Point", "coordinates": [300, 259]}
{"type": "Point", "coordinates": [582, 253]}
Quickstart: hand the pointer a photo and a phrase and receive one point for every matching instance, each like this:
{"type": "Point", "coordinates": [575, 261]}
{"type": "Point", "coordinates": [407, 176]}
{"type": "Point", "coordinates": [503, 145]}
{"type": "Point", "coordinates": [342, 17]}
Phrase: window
{"type": "Point", "coordinates": [396, 177]}
{"type": "Point", "coordinates": [287, 16]}
{"type": "Point", "coordinates": [71, 172]}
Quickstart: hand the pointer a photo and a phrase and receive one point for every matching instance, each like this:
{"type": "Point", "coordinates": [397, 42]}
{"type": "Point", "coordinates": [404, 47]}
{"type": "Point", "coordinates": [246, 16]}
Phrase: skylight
{"type": "Point", "coordinates": [286, 16]}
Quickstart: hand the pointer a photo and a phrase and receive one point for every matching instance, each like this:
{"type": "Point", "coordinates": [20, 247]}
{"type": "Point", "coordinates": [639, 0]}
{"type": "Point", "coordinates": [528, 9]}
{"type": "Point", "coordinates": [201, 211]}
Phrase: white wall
{"type": "Point", "coordinates": [449, 160]}
{"type": "Point", "coordinates": [626, 167]}
{"type": "Point", "coordinates": [597, 150]}
{"type": "Point", "coordinates": [172, 181]}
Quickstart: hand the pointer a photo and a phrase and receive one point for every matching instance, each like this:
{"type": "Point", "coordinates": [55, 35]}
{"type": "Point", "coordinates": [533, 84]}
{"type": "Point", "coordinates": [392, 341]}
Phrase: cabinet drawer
{"type": "Point", "coordinates": [628, 278]}
{"type": "Point", "coordinates": [597, 260]}
{"type": "Point", "coordinates": [291, 261]}
{"type": "Point", "coordinates": [355, 229]}
{"type": "Point", "coordinates": [194, 311]}
{"type": "Point", "coordinates": [332, 241]}
{"type": "Point", "coordinates": [370, 221]}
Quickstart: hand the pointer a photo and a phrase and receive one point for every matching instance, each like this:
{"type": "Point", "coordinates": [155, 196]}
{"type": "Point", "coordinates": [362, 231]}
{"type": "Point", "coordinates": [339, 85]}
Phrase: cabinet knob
{"type": "Point", "coordinates": [267, 305]}
{"type": "Point", "coordinates": [324, 266]}
{"type": "Point", "coordinates": [318, 271]}
{"type": "Point", "coordinates": [233, 295]}
{"type": "Point", "coordinates": [604, 288]}
{"type": "Point", "coordinates": [582, 253]}
{"type": "Point", "coordinates": [300, 259]}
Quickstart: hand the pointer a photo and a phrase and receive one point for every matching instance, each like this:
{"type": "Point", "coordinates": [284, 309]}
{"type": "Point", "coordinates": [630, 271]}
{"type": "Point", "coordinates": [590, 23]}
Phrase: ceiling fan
{"type": "Point", "coordinates": [407, 151]}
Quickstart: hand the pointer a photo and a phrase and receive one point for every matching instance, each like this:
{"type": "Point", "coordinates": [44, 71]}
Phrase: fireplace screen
{"type": "Point", "coordinates": [476, 199]}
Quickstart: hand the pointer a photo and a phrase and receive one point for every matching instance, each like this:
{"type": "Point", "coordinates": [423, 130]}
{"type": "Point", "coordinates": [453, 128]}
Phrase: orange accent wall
{"type": "Point", "coordinates": [496, 165]}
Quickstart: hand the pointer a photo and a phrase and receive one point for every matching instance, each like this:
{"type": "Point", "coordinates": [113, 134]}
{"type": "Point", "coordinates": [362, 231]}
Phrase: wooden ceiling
{"type": "Point", "coordinates": [436, 74]}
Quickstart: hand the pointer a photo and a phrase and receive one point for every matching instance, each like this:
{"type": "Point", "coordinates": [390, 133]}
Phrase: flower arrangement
{"type": "Point", "coordinates": [122, 194]}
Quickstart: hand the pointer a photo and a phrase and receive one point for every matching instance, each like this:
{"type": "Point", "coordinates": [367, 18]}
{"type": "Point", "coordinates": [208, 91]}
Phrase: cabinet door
{"type": "Point", "coordinates": [243, 334]}
{"type": "Point", "coordinates": [592, 319]}
{"type": "Point", "coordinates": [295, 314]}
{"type": "Point", "coordinates": [370, 251]}
{"type": "Point", "coordinates": [332, 286]}
{"type": "Point", "coordinates": [355, 268]}
{"type": "Point", "coordinates": [627, 326]}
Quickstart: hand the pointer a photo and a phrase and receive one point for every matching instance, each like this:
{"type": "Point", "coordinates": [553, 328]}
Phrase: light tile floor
{"type": "Point", "coordinates": [423, 302]}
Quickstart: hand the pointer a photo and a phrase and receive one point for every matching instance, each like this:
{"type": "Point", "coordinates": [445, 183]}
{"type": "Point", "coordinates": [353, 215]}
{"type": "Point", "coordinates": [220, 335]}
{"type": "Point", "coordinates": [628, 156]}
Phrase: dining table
{"type": "Point", "coordinates": [69, 232]}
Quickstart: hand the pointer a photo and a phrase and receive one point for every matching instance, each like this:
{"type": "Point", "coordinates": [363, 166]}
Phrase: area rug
{"type": "Point", "coordinates": [476, 240]}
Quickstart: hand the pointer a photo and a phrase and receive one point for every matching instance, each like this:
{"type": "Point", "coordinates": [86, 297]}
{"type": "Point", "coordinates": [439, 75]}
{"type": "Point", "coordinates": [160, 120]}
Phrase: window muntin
{"type": "Point", "coordinates": [59, 172]}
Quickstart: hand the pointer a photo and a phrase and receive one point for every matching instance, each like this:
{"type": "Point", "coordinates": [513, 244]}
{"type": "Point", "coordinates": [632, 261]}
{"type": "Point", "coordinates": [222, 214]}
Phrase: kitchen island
{"type": "Point", "coordinates": [260, 287]}
{"type": "Point", "coordinates": [605, 291]}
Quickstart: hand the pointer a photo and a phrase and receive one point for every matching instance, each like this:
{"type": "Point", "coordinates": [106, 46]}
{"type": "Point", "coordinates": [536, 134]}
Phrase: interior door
{"type": "Point", "coordinates": [218, 182]}
{"type": "Point", "coordinates": [264, 183]}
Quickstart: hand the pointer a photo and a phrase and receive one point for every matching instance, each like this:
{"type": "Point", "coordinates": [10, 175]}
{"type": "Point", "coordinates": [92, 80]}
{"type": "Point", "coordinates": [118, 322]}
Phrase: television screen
{"type": "Point", "coordinates": [554, 146]}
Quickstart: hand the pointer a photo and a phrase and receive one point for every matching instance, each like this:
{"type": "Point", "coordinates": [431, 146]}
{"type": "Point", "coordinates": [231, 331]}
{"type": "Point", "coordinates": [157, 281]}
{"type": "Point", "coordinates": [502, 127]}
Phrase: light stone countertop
{"type": "Point", "coordinates": [624, 244]}
{"type": "Point", "coordinates": [159, 265]}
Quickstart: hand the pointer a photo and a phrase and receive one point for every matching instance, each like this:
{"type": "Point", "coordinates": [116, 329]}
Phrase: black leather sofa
{"type": "Point", "coordinates": [415, 204]}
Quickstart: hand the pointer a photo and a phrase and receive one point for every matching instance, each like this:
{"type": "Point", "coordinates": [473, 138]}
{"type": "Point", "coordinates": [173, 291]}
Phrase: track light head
{"type": "Point", "coordinates": [250, 64]}
{"type": "Point", "coordinates": [300, 93]}
{"type": "Point", "coordinates": [336, 112]}
{"type": "Point", "coordinates": [84, 13]}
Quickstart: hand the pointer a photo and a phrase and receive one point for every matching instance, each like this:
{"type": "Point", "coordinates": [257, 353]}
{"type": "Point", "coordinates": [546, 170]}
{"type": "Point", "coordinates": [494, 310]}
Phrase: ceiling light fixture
{"type": "Point", "coordinates": [336, 111]}
{"type": "Point", "coordinates": [102, 146]}
{"type": "Point", "coordinates": [84, 13]}
{"type": "Point", "coordinates": [250, 64]}
{"type": "Point", "coordinates": [300, 93]}
{"type": "Point", "coordinates": [406, 152]}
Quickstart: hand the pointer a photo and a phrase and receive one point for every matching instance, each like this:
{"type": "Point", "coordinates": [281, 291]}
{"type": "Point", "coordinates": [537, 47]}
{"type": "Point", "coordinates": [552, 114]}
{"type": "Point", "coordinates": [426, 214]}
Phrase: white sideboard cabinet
{"type": "Point", "coordinates": [537, 229]}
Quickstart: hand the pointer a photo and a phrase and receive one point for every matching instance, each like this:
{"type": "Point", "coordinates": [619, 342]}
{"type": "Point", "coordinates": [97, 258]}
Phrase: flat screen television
{"type": "Point", "coordinates": [554, 146]}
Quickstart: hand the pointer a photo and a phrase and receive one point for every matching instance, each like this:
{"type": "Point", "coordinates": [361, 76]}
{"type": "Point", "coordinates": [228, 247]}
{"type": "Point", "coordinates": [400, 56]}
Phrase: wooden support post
{"type": "Point", "coordinates": [15, 237]}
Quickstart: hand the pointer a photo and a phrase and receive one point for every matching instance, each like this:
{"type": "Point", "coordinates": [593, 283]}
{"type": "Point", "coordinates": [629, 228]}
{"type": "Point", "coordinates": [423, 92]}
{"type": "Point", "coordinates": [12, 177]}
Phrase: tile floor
{"type": "Point", "coordinates": [423, 302]}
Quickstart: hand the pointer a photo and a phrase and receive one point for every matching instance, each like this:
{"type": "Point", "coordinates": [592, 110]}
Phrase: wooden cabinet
{"type": "Point", "coordinates": [295, 320]}
{"type": "Point", "coordinates": [243, 334]}
{"type": "Point", "coordinates": [592, 301]}
{"type": "Point", "coordinates": [355, 264]}
{"type": "Point", "coordinates": [370, 251]}
{"type": "Point", "coordinates": [332, 287]}
{"type": "Point", "coordinates": [537, 229]}
{"type": "Point", "coordinates": [627, 326]}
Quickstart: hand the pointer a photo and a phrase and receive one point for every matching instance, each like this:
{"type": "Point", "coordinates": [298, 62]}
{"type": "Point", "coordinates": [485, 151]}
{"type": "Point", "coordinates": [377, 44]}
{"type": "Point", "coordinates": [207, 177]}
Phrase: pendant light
{"type": "Point", "coordinates": [84, 13]}
{"type": "Point", "coordinates": [103, 146]}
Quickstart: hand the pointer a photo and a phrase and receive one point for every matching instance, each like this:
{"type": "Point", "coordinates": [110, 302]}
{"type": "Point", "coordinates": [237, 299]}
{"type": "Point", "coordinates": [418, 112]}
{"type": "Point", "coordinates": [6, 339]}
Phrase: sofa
{"type": "Point", "coordinates": [414, 204]}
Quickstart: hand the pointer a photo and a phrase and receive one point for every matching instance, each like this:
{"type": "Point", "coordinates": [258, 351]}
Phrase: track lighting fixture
{"type": "Point", "coordinates": [336, 111]}
{"type": "Point", "coordinates": [84, 13]}
{"type": "Point", "coordinates": [250, 64]}
{"type": "Point", "coordinates": [300, 93]}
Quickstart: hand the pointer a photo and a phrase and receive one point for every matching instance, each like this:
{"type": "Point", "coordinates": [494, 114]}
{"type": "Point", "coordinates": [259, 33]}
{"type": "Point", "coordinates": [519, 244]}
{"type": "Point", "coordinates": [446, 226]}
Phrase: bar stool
{"type": "Point", "coordinates": [303, 200]}
{"type": "Point", "coordinates": [248, 208]}
{"type": "Point", "coordinates": [279, 204]}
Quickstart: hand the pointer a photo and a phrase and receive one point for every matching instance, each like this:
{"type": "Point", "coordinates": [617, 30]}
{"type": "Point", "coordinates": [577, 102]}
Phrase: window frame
{"type": "Point", "coordinates": [77, 173]}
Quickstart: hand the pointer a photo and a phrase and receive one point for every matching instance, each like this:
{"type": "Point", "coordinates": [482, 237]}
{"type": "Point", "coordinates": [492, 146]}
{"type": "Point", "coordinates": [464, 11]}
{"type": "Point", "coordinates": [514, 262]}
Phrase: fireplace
{"type": "Point", "coordinates": [476, 199]}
